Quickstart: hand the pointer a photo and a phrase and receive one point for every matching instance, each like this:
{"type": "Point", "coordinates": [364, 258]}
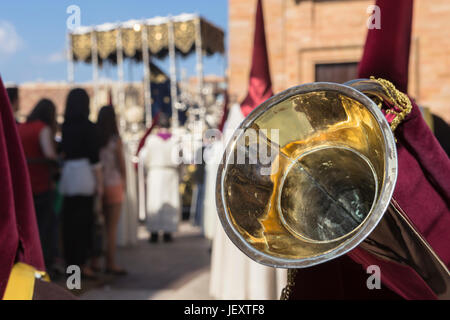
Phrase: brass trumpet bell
{"type": "Point", "coordinates": [307, 175]}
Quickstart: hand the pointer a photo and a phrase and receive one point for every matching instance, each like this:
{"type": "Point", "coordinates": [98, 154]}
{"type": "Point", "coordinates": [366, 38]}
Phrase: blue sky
{"type": "Point", "coordinates": [32, 35]}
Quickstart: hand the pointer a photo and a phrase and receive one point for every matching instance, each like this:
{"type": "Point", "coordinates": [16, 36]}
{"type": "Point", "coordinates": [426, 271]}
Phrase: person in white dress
{"type": "Point", "coordinates": [162, 201]}
{"type": "Point", "coordinates": [212, 155]}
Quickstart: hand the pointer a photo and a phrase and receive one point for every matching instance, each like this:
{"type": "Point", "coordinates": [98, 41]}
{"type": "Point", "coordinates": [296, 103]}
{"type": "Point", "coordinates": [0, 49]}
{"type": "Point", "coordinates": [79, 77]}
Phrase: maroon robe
{"type": "Point", "coordinates": [146, 134]}
{"type": "Point", "coordinates": [260, 85]}
{"type": "Point", "coordinates": [19, 236]}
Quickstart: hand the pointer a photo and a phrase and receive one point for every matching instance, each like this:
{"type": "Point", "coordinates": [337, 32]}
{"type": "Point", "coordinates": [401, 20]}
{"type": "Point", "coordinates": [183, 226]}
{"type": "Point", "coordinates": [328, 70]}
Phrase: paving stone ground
{"type": "Point", "coordinates": [178, 270]}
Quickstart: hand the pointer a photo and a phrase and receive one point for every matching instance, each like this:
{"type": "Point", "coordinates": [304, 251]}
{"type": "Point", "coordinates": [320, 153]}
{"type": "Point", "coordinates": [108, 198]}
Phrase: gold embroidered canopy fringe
{"type": "Point", "coordinates": [184, 26]}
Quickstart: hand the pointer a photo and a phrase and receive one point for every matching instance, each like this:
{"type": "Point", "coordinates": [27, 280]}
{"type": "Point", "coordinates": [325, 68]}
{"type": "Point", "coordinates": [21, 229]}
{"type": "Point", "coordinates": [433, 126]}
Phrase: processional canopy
{"type": "Point", "coordinates": [184, 31]}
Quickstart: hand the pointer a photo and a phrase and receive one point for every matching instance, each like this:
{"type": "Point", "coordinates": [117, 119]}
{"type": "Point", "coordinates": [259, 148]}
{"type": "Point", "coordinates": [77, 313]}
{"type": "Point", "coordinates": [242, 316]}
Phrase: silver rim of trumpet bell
{"type": "Point", "coordinates": [365, 227]}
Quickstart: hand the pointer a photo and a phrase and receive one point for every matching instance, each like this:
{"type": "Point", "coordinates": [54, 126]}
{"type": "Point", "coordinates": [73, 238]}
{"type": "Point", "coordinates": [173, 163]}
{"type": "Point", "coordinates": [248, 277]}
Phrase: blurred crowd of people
{"type": "Point", "coordinates": [76, 181]}
{"type": "Point", "coordinates": [78, 175]}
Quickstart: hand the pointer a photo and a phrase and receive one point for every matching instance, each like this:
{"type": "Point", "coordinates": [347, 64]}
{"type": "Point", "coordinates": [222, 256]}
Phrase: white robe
{"type": "Point", "coordinates": [212, 155]}
{"type": "Point", "coordinates": [128, 223]}
{"type": "Point", "coordinates": [163, 203]}
{"type": "Point", "coordinates": [233, 274]}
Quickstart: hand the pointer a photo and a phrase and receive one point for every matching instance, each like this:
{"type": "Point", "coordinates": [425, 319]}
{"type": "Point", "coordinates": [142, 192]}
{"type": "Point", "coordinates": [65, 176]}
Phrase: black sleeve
{"type": "Point", "coordinates": [92, 144]}
{"type": "Point", "coordinates": [442, 133]}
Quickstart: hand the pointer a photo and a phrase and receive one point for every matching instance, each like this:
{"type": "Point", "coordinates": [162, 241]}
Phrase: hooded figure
{"type": "Point", "coordinates": [161, 201]}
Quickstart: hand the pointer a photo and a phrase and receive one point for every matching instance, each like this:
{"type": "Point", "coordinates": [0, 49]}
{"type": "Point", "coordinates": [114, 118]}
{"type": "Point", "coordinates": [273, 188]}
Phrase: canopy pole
{"type": "Point", "coordinates": [120, 76]}
{"type": "Point", "coordinates": [94, 54]}
{"type": "Point", "coordinates": [70, 64]}
{"type": "Point", "coordinates": [199, 69]}
{"type": "Point", "coordinates": [147, 77]}
{"type": "Point", "coordinates": [173, 75]}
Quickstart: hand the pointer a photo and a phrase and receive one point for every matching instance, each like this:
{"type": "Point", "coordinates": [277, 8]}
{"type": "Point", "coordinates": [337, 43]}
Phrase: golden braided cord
{"type": "Point", "coordinates": [401, 100]}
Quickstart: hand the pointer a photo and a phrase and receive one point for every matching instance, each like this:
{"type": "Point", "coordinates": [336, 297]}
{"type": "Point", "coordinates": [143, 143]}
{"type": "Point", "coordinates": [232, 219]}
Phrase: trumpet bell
{"type": "Point", "coordinates": [307, 175]}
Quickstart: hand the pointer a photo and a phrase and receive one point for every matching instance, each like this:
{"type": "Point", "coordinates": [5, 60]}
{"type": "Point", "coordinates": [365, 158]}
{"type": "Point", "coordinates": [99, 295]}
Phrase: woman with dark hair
{"type": "Point", "coordinates": [114, 176]}
{"type": "Point", "coordinates": [37, 136]}
{"type": "Point", "coordinates": [44, 111]}
{"type": "Point", "coordinates": [81, 180]}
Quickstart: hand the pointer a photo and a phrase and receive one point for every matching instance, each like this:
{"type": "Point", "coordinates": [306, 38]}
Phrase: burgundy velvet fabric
{"type": "Point", "coordinates": [386, 52]}
{"type": "Point", "coordinates": [423, 192]}
{"type": "Point", "coordinates": [423, 183]}
{"type": "Point", "coordinates": [401, 279]}
{"type": "Point", "coordinates": [338, 279]}
{"type": "Point", "coordinates": [260, 85]}
{"type": "Point", "coordinates": [19, 236]}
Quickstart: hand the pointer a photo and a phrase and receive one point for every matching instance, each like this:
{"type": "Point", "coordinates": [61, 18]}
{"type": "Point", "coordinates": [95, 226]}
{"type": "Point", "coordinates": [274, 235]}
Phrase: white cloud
{"type": "Point", "coordinates": [10, 41]}
{"type": "Point", "coordinates": [56, 57]}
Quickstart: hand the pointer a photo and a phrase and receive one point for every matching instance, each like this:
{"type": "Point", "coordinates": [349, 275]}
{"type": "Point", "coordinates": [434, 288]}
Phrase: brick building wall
{"type": "Point", "coordinates": [303, 33]}
{"type": "Point", "coordinates": [31, 93]}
